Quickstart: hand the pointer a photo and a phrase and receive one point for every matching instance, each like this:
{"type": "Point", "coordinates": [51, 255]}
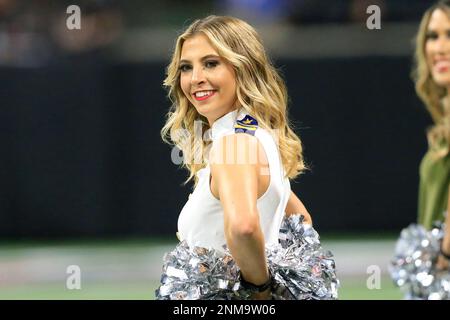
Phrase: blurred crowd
{"type": "Point", "coordinates": [310, 11]}
{"type": "Point", "coordinates": [34, 32]}
{"type": "Point", "coordinates": [303, 12]}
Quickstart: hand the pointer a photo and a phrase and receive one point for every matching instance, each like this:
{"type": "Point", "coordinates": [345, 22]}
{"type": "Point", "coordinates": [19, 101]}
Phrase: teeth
{"type": "Point", "coordinates": [442, 62]}
{"type": "Point", "coordinates": [202, 93]}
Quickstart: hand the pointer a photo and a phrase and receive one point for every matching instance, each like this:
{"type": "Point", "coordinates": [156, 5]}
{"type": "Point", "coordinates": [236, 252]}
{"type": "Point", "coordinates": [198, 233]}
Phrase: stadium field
{"type": "Point", "coordinates": [131, 269]}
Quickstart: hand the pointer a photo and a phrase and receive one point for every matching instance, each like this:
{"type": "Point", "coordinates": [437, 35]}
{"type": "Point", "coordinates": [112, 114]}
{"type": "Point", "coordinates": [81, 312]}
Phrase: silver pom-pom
{"type": "Point", "coordinates": [301, 269]}
{"type": "Point", "coordinates": [413, 267]}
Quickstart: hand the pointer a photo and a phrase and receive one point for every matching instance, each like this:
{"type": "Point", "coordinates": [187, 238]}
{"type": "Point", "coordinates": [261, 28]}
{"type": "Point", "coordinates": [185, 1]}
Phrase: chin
{"type": "Point", "coordinates": [204, 111]}
{"type": "Point", "coordinates": [200, 112]}
{"type": "Point", "coordinates": [442, 80]}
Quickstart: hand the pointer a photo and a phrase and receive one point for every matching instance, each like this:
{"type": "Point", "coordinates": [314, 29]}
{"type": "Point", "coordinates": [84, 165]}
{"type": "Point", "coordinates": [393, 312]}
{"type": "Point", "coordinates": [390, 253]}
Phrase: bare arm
{"type": "Point", "coordinates": [237, 185]}
{"type": "Point", "coordinates": [446, 240]}
{"type": "Point", "coordinates": [443, 263]}
{"type": "Point", "coordinates": [295, 206]}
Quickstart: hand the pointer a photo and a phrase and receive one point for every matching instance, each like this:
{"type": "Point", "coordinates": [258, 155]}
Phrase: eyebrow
{"type": "Point", "coordinates": [437, 29]}
{"type": "Point", "coordinates": [202, 59]}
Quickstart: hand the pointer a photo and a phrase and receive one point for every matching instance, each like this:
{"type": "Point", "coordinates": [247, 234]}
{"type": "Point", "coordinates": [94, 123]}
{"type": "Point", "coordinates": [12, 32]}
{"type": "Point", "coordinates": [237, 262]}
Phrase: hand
{"type": "Point", "coordinates": [265, 295]}
{"type": "Point", "coordinates": [442, 263]}
{"type": "Point", "coordinates": [307, 218]}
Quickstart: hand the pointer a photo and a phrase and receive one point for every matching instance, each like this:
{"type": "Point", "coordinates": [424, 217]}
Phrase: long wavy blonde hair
{"type": "Point", "coordinates": [434, 96]}
{"type": "Point", "coordinates": [260, 91]}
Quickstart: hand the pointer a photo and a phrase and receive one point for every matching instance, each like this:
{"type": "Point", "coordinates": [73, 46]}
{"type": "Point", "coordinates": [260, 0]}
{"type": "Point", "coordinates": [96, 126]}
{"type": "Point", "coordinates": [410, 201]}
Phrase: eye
{"type": "Point", "coordinates": [211, 63]}
{"type": "Point", "coordinates": [184, 67]}
{"type": "Point", "coordinates": [431, 35]}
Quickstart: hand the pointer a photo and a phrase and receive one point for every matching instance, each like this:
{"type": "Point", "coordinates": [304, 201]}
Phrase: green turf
{"type": "Point", "coordinates": [20, 243]}
{"type": "Point", "coordinates": [351, 289]}
{"type": "Point", "coordinates": [356, 289]}
{"type": "Point", "coordinates": [94, 291]}
{"type": "Point", "coordinates": [20, 252]}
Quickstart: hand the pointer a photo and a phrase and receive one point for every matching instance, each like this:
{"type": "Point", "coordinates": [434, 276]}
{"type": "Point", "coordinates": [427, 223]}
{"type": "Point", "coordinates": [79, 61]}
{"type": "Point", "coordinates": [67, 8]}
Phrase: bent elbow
{"type": "Point", "coordinates": [243, 230]}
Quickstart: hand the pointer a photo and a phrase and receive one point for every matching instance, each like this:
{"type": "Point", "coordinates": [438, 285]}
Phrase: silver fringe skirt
{"type": "Point", "coordinates": [301, 269]}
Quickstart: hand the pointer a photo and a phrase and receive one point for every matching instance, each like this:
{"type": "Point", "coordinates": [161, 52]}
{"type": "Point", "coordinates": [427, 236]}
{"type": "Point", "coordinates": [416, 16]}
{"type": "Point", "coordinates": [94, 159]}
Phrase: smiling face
{"type": "Point", "coordinates": [437, 47]}
{"type": "Point", "coordinates": [207, 80]}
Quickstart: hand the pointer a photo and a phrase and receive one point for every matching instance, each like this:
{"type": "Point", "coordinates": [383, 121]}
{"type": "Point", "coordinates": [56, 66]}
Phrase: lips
{"type": "Point", "coordinates": [442, 65]}
{"type": "Point", "coordinates": [203, 94]}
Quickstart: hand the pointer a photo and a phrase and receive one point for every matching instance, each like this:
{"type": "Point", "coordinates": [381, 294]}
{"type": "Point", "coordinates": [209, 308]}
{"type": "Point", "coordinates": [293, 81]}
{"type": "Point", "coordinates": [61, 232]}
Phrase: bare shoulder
{"type": "Point", "coordinates": [238, 161]}
{"type": "Point", "coordinates": [237, 149]}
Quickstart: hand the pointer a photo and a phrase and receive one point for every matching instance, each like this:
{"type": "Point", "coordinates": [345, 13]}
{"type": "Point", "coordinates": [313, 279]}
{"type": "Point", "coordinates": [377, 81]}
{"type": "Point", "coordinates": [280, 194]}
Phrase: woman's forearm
{"type": "Point", "coordinates": [248, 250]}
{"type": "Point", "coordinates": [446, 240]}
{"type": "Point", "coordinates": [295, 206]}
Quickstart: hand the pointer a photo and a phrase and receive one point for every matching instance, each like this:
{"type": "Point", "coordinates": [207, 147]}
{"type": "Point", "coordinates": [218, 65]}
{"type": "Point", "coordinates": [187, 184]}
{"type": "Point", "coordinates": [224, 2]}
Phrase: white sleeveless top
{"type": "Point", "coordinates": [201, 221]}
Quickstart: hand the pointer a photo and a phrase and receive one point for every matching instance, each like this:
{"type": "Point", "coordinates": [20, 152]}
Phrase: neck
{"type": "Point", "coordinates": [211, 122]}
{"type": "Point", "coordinates": [446, 100]}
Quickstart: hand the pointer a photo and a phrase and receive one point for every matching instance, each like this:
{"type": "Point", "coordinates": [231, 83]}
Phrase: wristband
{"type": "Point", "coordinates": [256, 288]}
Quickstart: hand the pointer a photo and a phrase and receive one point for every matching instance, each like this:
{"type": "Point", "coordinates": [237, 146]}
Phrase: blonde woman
{"type": "Point", "coordinates": [229, 118]}
{"type": "Point", "coordinates": [421, 262]}
{"type": "Point", "coordinates": [432, 78]}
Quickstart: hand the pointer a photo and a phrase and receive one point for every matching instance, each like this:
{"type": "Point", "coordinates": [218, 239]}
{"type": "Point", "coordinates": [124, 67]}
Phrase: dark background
{"type": "Point", "coordinates": [81, 153]}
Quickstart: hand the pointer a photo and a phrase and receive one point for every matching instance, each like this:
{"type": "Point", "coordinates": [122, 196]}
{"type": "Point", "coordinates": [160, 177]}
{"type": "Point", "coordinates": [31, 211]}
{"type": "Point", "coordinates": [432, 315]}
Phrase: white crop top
{"type": "Point", "coordinates": [201, 221]}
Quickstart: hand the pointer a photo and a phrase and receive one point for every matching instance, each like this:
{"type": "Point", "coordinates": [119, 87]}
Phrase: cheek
{"type": "Point", "coordinates": [185, 86]}
{"type": "Point", "coordinates": [233, 88]}
{"type": "Point", "coordinates": [230, 83]}
{"type": "Point", "coordinates": [428, 50]}
{"type": "Point", "coordinates": [429, 56]}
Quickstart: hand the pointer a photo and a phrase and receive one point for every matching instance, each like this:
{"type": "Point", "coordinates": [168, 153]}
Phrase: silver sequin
{"type": "Point", "coordinates": [413, 266]}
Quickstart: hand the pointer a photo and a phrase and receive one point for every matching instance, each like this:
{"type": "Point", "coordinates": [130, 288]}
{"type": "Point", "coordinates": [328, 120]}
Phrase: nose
{"type": "Point", "coordinates": [442, 44]}
{"type": "Point", "coordinates": [198, 76]}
